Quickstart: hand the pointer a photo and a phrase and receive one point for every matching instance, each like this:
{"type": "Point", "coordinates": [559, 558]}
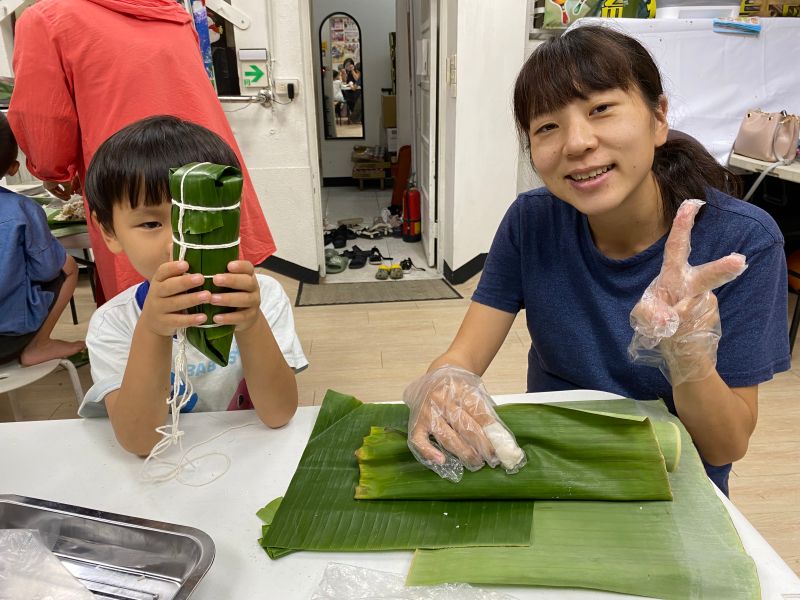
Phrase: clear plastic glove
{"type": "Point", "coordinates": [676, 323]}
{"type": "Point", "coordinates": [452, 405]}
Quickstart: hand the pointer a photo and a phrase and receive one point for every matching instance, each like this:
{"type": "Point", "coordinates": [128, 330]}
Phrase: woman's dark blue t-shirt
{"type": "Point", "coordinates": [578, 301]}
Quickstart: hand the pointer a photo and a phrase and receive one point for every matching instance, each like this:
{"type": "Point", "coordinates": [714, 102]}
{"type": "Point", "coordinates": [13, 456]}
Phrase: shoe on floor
{"type": "Point", "coordinates": [382, 273]}
{"type": "Point", "coordinates": [396, 272]}
{"type": "Point", "coordinates": [334, 262]}
{"type": "Point", "coordinates": [375, 256]}
{"type": "Point", "coordinates": [358, 257]}
{"type": "Point", "coordinates": [407, 264]}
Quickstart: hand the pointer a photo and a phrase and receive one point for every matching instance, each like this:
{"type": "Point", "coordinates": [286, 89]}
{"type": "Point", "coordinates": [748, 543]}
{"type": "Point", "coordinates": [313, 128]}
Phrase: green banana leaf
{"type": "Point", "coordinates": [686, 549]}
{"type": "Point", "coordinates": [318, 511]}
{"type": "Point", "coordinates": [572, 454]}
{"type": "Point", "coordinates": [214, 186]}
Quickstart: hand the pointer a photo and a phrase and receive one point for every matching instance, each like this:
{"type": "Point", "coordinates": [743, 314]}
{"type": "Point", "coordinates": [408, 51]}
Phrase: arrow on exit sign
{"type": "Point", "coordinates": [254, 73]}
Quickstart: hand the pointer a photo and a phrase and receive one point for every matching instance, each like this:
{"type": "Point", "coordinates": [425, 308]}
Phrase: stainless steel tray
{"type": "Point", "coordinates": [115, 556]}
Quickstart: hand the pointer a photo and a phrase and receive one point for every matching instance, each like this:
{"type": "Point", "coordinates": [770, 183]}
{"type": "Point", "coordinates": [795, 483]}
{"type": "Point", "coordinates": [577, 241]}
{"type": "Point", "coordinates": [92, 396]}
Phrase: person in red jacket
{"type": "Point", "coordinates": [87, 68]}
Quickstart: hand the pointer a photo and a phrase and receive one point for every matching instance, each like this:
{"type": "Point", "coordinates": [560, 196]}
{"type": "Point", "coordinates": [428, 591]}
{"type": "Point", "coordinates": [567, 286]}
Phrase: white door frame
{"type": "Point", "coordinates": [425, 85]}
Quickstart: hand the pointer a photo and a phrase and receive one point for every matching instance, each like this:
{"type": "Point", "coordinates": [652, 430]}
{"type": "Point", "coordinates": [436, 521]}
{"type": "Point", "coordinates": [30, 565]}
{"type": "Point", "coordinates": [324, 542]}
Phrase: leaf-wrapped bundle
{"type": "Point", "coordinates": [572, 454]}
{"type": "Point", "coordinates": [207, 186]}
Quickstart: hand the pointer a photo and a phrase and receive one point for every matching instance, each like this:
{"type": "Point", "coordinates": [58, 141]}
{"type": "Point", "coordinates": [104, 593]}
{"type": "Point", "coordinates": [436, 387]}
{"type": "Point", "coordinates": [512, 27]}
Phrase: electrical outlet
{"type": "Point", "coordinates": [282, 87]}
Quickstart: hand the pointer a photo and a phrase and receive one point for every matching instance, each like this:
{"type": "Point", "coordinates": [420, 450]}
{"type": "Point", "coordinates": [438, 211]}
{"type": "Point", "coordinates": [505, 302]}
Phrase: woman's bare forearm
{"type": "Point", "coordinates": [482, 333]}
{"type": "Point", "coordinates": [720, 419]}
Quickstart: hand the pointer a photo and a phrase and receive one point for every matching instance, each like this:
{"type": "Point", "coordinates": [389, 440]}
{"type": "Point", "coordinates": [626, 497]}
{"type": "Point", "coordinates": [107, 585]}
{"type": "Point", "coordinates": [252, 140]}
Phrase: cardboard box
{"type": "Point", "coordinates": [391, 139]}
{"type": "Point", "coordinates": [389, 111]}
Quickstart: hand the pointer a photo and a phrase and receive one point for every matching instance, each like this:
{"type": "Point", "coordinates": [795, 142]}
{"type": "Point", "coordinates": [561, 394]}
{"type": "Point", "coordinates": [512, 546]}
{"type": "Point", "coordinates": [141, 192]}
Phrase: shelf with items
{"type": "Point", "coordinates": [369, 163]}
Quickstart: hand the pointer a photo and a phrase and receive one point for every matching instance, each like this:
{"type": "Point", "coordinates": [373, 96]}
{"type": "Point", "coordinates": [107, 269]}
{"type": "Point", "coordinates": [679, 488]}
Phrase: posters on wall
{"type": "Point", "coordinates": [344, 41]}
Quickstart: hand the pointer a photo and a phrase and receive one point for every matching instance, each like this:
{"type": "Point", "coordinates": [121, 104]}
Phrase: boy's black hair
{"type": "Point", "coordinates": [134, 163]}
{"type": "Point", "coordinates": [335, 73]}
{"type": "Point", "coordinates": [8, 146]}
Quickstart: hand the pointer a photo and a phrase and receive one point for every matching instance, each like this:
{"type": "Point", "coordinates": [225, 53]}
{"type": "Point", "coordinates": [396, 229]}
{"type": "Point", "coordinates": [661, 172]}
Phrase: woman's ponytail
{"type": "Point", "coordinates": [684, 169]}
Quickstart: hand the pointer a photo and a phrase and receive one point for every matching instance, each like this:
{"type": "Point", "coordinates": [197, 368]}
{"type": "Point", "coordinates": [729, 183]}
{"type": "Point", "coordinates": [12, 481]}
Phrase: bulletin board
{"type": "Point", "coordinates": [345, 41]}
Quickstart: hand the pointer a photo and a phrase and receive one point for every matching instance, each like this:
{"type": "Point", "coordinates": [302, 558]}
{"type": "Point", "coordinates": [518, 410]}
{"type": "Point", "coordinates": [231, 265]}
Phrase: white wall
{"type": "Point", "coordinates": [279, 143]}
{"type": "Point", "coordinates": [491, 51]}
{"type": "Point", "coordinates": [376, 18]}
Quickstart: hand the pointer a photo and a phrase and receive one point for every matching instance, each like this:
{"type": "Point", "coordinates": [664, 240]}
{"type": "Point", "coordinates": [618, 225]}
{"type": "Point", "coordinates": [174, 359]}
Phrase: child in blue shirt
{"type": "Point", "coordinates": [614, 262]}
{"type": "Point", "coordinates": [131, 337]}
{"type": "Point", "coordinates": [37, 276]}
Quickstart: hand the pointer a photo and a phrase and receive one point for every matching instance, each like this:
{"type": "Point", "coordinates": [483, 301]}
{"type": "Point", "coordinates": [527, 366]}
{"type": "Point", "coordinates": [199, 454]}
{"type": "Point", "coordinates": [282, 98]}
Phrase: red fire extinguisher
{"type": "Point", "coordinates": [412, 220]}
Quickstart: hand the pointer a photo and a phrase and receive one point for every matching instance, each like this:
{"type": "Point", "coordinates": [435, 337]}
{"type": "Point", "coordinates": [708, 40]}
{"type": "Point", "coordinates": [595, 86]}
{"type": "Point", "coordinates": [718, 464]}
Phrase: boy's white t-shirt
{"type": "Point", "coordinates": [109, 342]}
{"type": "Point", "coordinates": [338, 96]}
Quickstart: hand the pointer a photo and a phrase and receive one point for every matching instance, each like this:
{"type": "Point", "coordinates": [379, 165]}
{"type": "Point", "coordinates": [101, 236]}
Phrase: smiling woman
{"type": "Point", "coordinates": [599, 258]}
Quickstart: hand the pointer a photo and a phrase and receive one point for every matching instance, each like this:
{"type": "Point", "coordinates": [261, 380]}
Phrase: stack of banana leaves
{"type": "Point", "coordinates": [613, 497]}
{"type": "Point", "coordinates": [208, 187]}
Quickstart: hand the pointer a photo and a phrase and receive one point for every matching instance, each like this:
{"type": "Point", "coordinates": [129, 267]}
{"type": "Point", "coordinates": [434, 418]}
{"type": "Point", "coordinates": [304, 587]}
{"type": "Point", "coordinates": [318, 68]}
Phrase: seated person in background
{"type": "Point", "coordinates": [338, 96]}
{"type": "Point", "coordinates": [337, 87]}
{"type": "Point", "coordinates": [355, 85]}
{"type": "Point", "coordinates": [37, 276]}
{"type": "Point", "coordinates": [130, 338]}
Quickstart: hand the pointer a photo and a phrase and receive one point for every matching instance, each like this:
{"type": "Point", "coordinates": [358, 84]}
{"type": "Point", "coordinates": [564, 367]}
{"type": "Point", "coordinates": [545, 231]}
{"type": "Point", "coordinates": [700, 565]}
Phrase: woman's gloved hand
{"type": "Point", "coordinates": [452, 405]}
{"type": "Point", "coordinates": [676, 323]}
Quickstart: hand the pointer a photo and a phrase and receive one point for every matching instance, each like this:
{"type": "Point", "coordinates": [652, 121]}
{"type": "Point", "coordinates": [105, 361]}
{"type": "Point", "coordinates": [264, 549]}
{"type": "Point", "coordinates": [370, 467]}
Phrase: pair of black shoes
{"type": "Point", "coordinates": [339, 236]}
{"type": "Point", "coordinates": [358, 257]}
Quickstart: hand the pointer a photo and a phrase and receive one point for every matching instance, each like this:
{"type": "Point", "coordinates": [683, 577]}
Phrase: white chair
{"type": "Point", "coordinates": [14, 376]}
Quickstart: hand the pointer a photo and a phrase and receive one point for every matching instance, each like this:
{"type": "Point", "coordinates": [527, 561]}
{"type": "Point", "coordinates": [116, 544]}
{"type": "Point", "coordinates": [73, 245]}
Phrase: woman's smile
{"type": "Point", "coordinates": [591, 178]}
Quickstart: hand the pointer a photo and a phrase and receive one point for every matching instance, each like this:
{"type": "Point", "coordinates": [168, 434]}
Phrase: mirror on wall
{"type": "Point", "coordinates": [342, 77]}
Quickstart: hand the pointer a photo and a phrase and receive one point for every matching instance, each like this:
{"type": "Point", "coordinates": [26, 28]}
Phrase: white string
{"type": "Point", "coordinates": [164, 470]}
{"type": "Point", "coordinates": [205, 208]}
{"type": "Point", "coordinates": [183, 244]}
{"type": "Point", "coordinates": [160, 469]}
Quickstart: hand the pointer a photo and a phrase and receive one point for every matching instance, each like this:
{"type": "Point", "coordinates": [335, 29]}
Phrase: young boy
{"type": "Point", "coordinates": [37, 276]}
{"type": "Point", "coordinates": [130, 338]}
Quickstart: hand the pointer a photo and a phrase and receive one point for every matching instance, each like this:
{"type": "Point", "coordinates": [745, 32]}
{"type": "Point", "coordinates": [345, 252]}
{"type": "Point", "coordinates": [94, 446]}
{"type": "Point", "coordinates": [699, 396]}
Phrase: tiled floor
{"type": "Point", "coordinates": [350, 202]}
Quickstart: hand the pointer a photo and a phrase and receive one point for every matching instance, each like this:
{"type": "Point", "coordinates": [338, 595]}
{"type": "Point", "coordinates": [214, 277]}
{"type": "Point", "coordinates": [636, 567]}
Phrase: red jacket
{"type": "Point", "coordinates": [87, 68]}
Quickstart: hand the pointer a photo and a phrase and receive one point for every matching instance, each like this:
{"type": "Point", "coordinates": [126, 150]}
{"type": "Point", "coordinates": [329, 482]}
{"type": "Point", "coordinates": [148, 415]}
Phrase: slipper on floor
{"type": "Point", "coordinates": [334, 262]}
{"type": "Point", "coordinates": [358, 257]}
{"type": "Point", "coordinates": [369, 233]}
{"type": "Point", "coordinates": [376, 258]}
{"type": "Point", "coordinates": [396, 272]}
{"type": "Point", "coordinates": [341, 235]}
{"type": "Point", "coordinates": [382, 273]}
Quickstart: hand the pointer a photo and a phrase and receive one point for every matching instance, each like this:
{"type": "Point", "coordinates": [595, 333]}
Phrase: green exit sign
{"type": "Point", "coordinates": [252, 74]}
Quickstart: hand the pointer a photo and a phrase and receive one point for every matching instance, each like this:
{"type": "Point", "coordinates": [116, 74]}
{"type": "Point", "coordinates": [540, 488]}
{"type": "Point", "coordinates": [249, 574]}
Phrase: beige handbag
{"type": "Point", "coordinates": [771, 137]}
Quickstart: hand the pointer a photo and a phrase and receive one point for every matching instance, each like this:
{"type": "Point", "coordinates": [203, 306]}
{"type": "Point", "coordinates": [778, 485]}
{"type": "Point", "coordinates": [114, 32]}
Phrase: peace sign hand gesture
{"type": "Point", "coordinates": [676, 323]}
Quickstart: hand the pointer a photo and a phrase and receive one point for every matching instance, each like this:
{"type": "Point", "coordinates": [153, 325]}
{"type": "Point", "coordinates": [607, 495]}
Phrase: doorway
{"type": "Point", "coordinates": [362, 172]}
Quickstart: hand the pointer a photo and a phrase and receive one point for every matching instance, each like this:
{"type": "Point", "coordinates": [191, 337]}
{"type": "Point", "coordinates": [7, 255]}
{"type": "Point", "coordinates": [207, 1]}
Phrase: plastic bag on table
{"type": "Point", "coordinates": [347, 582]}
{"type": "Point", "coordinates": [29, 571]}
